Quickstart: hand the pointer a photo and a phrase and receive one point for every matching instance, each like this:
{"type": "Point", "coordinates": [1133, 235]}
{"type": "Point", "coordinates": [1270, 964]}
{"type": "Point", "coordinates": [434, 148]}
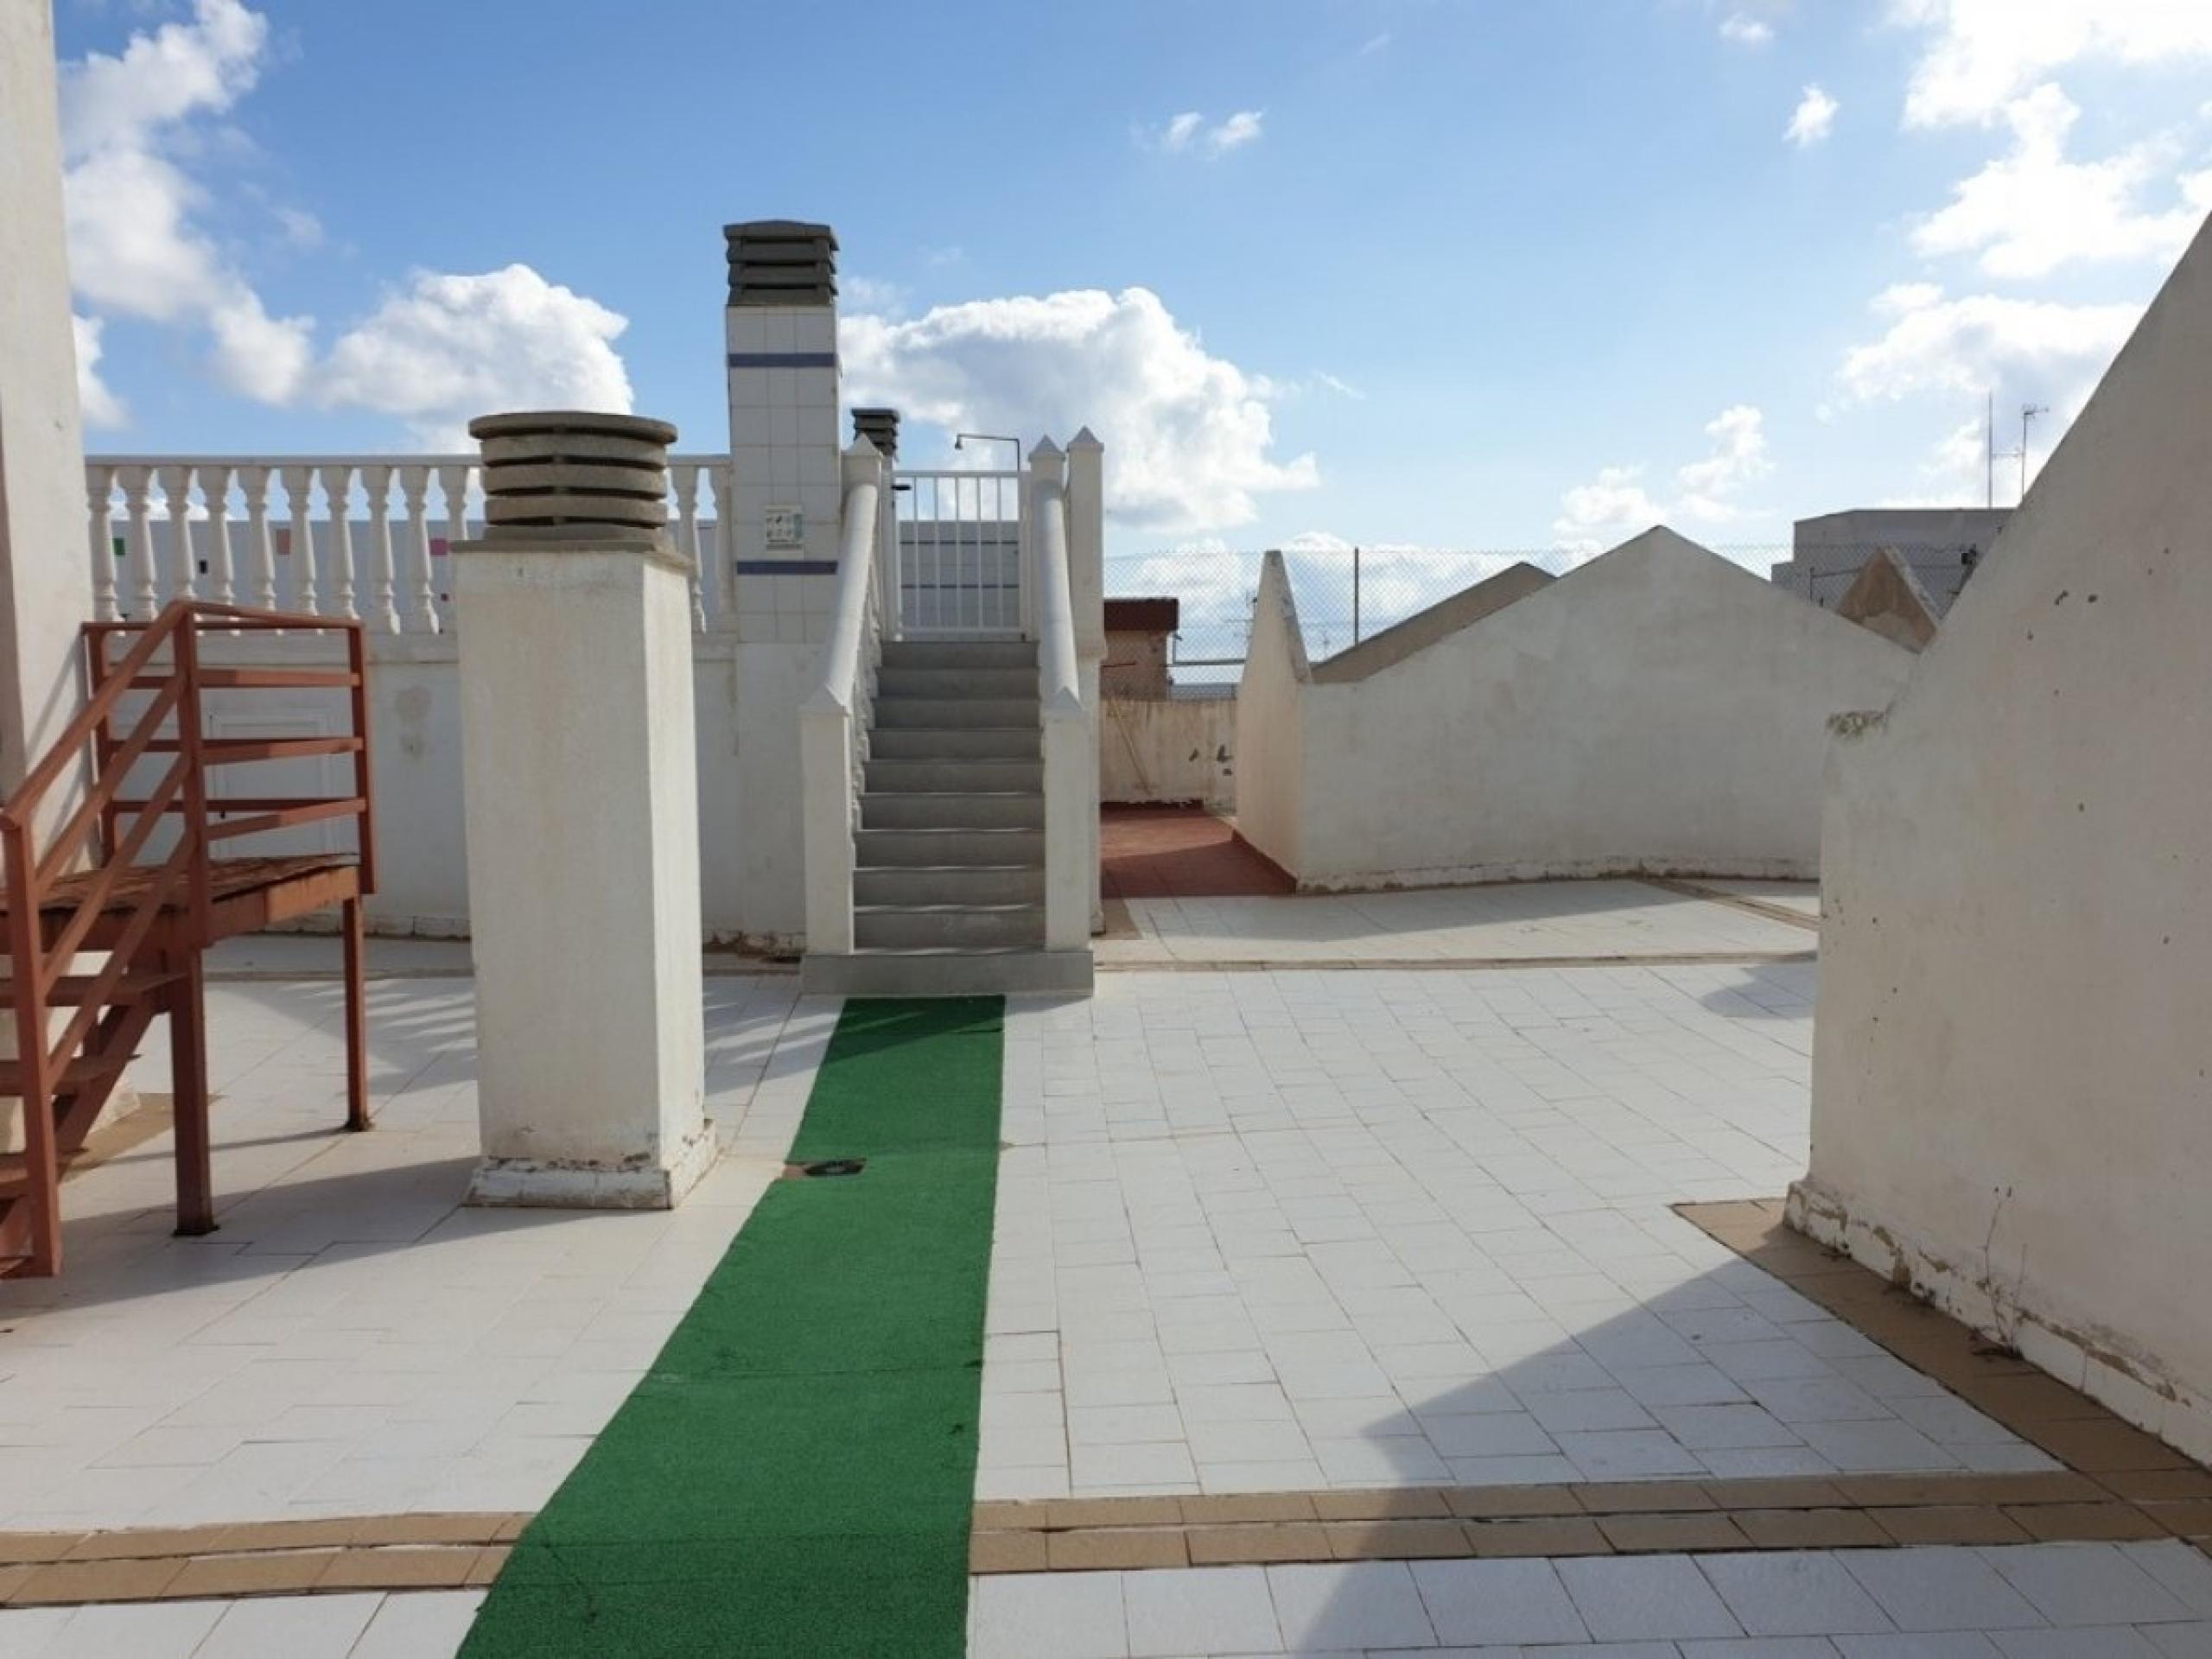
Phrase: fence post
{"type": "Point", "coordinates": [1355, 594]}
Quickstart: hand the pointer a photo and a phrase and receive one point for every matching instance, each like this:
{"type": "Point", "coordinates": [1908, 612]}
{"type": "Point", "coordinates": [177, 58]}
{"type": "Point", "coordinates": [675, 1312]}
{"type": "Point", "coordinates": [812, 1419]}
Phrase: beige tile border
{"type": "Point", "coordinates": [1621, 1517]}
{"type": "Point", "coordinates": [1773, 912]}
{"type": "Point", "coordinates": [1446, 964]}
{"type": "Point", "coordinates": [262, 1558]}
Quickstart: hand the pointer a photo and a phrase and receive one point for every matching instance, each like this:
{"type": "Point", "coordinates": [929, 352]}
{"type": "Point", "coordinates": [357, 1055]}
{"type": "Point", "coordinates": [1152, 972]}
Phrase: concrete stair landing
{"type": "Point", "coordinates": [948, 876]}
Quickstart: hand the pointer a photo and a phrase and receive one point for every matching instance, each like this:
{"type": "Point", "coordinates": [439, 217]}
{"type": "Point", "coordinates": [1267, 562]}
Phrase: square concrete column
{"type": "Point", "coordinates": [780, 328]}
{"type": "Point", "coordinates": [580, 786]}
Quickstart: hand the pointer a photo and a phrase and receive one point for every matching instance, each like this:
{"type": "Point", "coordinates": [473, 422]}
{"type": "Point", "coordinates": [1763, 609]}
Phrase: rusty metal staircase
{"type": "Point", "coordinates": [113, 893]}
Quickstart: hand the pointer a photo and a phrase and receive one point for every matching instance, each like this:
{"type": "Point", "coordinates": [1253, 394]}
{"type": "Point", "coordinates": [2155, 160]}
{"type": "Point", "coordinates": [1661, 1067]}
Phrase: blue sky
{"type": "Point", "coordinates": [1459, 273]}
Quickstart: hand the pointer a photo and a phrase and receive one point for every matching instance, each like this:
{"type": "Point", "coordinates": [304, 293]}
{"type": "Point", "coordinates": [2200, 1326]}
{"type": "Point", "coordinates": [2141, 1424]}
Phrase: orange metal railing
{"type": "Point", "coordinates": [91, 884]}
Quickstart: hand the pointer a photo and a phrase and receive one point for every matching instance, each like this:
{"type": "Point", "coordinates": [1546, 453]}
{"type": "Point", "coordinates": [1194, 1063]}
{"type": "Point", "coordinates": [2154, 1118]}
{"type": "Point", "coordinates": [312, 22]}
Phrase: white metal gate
{"type": "Point", "coordinates": [959, 554]}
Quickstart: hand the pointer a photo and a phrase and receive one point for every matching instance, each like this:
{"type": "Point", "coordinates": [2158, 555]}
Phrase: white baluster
{"type": "Point", "coordinates": [338, 490]}
{"type": "Point", "coordinates": [725, 584]}
{"type": "Point", "coordinates": [299, 483]}
{"type": "Point", "coordinates": [100, 505]}
{"type": "Point", "coordinates": [215, 490]}
{"type": "Point", "coordinates": [415, 487]}
{"type": "Point", "coordinates": [254, 481]}
{"type": "Point", "coordinates": [145, 600]}
{"type": "Point", "coordinates": [176, 497]}
{"type": "Point", "coordinates": [453, 480]}
{"type": "Point", "coordinates": [685, 475]}
{"type": "Point", "coordinates": [383, 594]}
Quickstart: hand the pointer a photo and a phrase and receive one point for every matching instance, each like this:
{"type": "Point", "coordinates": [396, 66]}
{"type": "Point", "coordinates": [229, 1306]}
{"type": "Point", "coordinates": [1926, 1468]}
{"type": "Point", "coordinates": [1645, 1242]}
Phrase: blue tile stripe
{"type": "Point", "coordinates": [786, 567]}
{"type": "Point", "coordinates": [783, 360]}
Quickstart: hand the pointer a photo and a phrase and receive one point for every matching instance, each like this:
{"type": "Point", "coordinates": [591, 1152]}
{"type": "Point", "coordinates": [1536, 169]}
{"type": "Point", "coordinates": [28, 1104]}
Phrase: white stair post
{"type": "Point", "coordinates": [1087, 585]}
{"type": "Point", "coordinates": [580, 788]}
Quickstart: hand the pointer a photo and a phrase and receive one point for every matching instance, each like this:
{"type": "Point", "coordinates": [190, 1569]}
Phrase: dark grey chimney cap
{"type": "Point", "coordinates": [781, 262]}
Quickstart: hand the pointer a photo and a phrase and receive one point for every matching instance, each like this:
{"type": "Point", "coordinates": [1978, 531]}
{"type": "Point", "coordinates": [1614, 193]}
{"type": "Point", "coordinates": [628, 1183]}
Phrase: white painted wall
{"type": "Point", "coordinates": [2010, 1098]}
{"type": "Point", "coordinates": [1270, 723]}
{"type": "Point", "coordinates": [1167, 749]}
{"type": "Point", "coordinates": [750, 864]}
{"type": "Point", "coordinates": [1659, 709]}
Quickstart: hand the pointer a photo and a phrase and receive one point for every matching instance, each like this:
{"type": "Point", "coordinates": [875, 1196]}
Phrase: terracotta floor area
{"type": "Point", "coordinates": [1179, 852]}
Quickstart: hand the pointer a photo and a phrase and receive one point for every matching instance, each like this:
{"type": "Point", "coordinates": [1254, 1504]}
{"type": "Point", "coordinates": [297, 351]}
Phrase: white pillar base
{"type": "Point", "coordinates": [530, 1183]}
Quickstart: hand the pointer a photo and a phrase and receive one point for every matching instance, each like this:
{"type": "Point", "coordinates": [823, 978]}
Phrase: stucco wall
{"type": "Point", "coordinates": [2012, 1051]}
{"type": "Point", "coordinates": [1658, 709]}
{"type": "Point", "coordinates": [1167, 749]}
{"type": "Point", "coordinates": [750, 862]}
{"type": "Point", "coordinates": [1270, 722]}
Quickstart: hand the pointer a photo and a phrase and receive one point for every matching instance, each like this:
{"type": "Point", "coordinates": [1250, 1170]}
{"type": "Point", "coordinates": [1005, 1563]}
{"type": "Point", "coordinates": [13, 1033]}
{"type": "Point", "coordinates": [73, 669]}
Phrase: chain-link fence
{"type": "Point", "coordinates": [1346, 595]}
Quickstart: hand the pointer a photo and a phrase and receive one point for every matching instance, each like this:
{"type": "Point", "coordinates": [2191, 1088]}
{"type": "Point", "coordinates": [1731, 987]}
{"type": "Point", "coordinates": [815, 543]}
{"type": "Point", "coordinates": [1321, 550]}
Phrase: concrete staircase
{"type": "Point", "coordinates": [949, 860]}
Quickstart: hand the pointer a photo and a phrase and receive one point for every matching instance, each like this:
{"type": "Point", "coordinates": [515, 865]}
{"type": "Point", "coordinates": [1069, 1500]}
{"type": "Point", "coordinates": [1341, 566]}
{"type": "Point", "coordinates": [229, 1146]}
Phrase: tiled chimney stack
{"type": "Point", "coordinates": [782, 338]}
{"type": "Point", "coordinates": [880, 427]}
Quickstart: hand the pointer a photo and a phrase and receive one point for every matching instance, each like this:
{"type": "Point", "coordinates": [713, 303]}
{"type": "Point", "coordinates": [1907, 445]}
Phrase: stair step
{"type": "Point", "coordinates": [960, 653]}
{"type": "Point", "coordinates": [85, 1068]}
{"type": "Point", "coordinates": [958, 927]}
{"type": "Point", "coordinates": [71, 989]}
{"type": "Point", "coordinates": [876, 848]}
{"type": "Point", "coordinates": [955, 714]}
{"type": "Point", "coordinates": [955, 682]}
{"type": "Point", "coordinates": [948, 884]}
{"type": "Point", "coordinates": [948, 973]}
{"type": "Point", "coordinates": [975, 742]}
{"type": "Point", "coordinates": [1004, 809]}
{"type": "Point", "coordinates": [961, 775]}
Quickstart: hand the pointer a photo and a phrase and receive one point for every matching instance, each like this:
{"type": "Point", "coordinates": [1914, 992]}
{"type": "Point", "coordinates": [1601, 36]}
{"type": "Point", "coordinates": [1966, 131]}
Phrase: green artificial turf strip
{"type": "Point", "coordinates": [795, 1475]}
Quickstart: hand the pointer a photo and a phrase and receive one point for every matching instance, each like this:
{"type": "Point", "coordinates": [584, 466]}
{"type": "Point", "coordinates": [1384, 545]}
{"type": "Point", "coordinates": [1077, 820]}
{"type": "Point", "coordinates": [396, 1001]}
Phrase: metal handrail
{"type": "Point", "coordinates": [45, 930]}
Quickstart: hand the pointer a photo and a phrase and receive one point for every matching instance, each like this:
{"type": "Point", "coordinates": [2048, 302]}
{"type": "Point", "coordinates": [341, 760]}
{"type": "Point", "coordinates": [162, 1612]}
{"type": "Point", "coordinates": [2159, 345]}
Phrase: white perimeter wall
{"type": "Point", "coordinates": [1163, 749]}
{"type": "Point", "coordinates": [1659, 709]}
{"type": "Point", "coordinates": [745, 716]}
{"type": "Point", "coordinates": [2010, 1100]}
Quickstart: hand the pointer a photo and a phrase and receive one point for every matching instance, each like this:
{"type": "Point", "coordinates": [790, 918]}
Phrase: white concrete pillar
{"type": "Point", "coordinates": [580, 785]}
{"type": "Point", "coordinates": [46, 585]}
{"type": "Point", "coordinates": [781, 330]}
{"type": "Point", "coordinates": [1087, 588]}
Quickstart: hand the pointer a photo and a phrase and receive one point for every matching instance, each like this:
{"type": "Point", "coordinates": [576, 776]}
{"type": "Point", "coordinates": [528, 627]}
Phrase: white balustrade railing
{"type": "Point", "coordinates": [351, 536]}
{"type": "Point", "coordinates": [959, 554]}
{"type": "Point", "coordinates": [834, 719]}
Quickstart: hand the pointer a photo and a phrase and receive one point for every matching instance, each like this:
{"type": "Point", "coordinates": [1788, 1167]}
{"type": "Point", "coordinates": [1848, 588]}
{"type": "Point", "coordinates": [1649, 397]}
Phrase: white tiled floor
{"type": "Point", "coordinates": [353, 1340]}
{"type": "Point", "coordinates": [2096, 1601]}
{"type": "Point", "coordinates": [1508, 921]}
{"type": "Point", "coordinates": [1369, 1227]}
{"type": "Point", "coordinates": [426, 1625]}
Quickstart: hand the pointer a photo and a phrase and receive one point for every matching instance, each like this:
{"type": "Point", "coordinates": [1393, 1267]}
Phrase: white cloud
{"type": "Point", "coordinates": [1240, 129]}
{"type": "Point", "coordinates": [134, 244]}
{"type": "Point", "coordinates": [2038, 349]}
{"type": "Point", "coordinates": [451, 347]}
{"type": "Point", "coordinates": [1342, 387]}
{"type": "Point", "coordinates": [1373, 44]}
{"type": "Point", "coordinates": [1741, 29]}
{"type": "Point", "coordinates": [1189, 131]}
{"type": "Point", "coordinates": [1982, 53]}
{"type": "Point", "coordinates": [1616, 504]}
{"type": "Point", "coordinates": [1189, 436]}
{"type": "Point", "coordinates": [2030, 212]}
{"type": "Point", "coordinates": [100, 406]}
{"type": "Point", "coordinates": [1813, 120]}
{"type": "Point", "coordinates": [1181, 130]}
{"type": "Point", "coordinates": [1739, 457]}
